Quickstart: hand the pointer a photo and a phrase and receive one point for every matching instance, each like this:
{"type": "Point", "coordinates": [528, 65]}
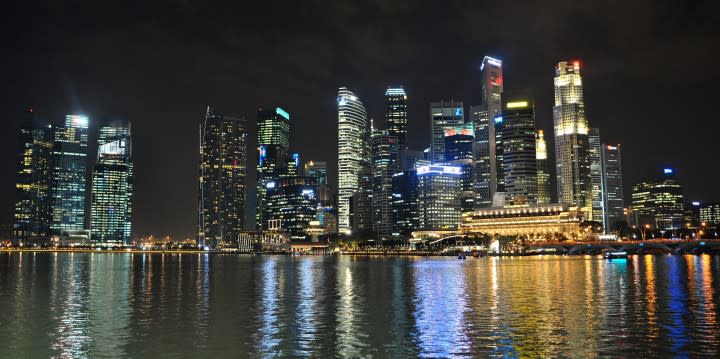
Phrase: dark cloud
{"type": "Point", "coordinates": [649, 71]}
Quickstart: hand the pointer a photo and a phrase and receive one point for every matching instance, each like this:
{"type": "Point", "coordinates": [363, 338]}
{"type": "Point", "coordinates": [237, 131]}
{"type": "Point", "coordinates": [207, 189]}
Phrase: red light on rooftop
{"type": "Point", "coordinates": [576, 63]}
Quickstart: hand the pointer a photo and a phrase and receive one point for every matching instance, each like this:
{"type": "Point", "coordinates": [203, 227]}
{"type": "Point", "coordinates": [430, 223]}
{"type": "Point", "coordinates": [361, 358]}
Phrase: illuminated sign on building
{"type": "Point", "coordinates": [282, 113]}
{"type": "Point", "coordinates": [518, 104]}
{"type": "Point", "coordinates": [668, 171]}
{"type": "Point", "coordinates": [439, 169]}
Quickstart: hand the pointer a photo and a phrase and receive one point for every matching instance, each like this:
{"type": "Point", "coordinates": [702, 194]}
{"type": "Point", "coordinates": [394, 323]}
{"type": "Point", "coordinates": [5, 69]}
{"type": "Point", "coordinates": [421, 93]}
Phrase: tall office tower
{"type": "Point", "coordinates": [543, 168]}
{"type": "Point", "coordinates": [659, 203]}
{"type": "Point", "coordinates": [519, 154]}
{"type": "Point", "coordinates": [499, 124]}
{"type": "Point", "coordinates": [223, 173]}
{"type": "Point", "coordinates": [491, 80]}
{"type": "Point", "coordinates": [317, 170]}
{"type": "Point", "coordinates": [481, 154]}
{"type": "Point", "coordinates": [361, 203]}
{"type": "Point", "coordinates": [443, 114]}
{"type": "Point", "coordinates": [273, 154]}
{"type": "Point", "coordinates": [438, 189]}
{"type": "Point", "coordinates": [112, 186]}
{"type": "Point", "coordinates": [459, 152]}
{"type": "Point", "coordinates": [405, 205]}
{"type": "Point", "coordinates": [353, 152]}
{"type": "Point", "coordinates": [612, 185]}
{"type": "Point", "coordinates": [32, 207]}
{"type": "Point", "coordinates": [384, 166]}
{"type": "Point", "coordinates": [574, 185]}
{"type": "Point", "coordinates": [594, 157]}
{"type": "Point", "coordinates": [396, 115]}
{"type": "Point", "coordinates": [293, 201]}
{"type": "Point", "coordinates": [69, 166]}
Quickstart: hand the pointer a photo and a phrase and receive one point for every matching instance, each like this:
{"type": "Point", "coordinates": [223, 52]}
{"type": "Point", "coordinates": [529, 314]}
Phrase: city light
{"type": "Point", "coordinates": [518, 104]}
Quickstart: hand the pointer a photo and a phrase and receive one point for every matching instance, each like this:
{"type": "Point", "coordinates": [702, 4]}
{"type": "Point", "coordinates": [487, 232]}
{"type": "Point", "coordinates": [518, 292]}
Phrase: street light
{"type": "Point", "coordinates": [644, 232]}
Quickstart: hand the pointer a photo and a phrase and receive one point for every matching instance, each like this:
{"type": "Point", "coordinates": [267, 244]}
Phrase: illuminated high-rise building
{"type": "Point", "coordinates": [481, 153]}
{"type": "Point", "coordinates": [574, 184]}
{"type": "Point", "coordinates": [405, 203]}
{"type": "Point", "coordinates": [317, 170]}
{"type": "Point", "coordinates": [361, 211]}
{"type": "Point", "coordinates": [293, 201]}
{"type": "Point", "coordinates": [69, 167]}
{"type": "Point", "coordinates": [519, 162]}
{"type": "Point", "coordinates": [438, 191]}
{"type": "Point", "coordinates": [353, 151]}
{"type": "Point", "coordinates": [492, 84]}
{"type": "Point", "coordinates": [709, 215]}
{"type": "Point", "coordinates": [223, 185]}
{"type": "Point", "coordinates": [659, 203]}
{"type": "Point", "coordinates": [384, 166]}
{"type": "Point", "coordinates": [112, 186]}
{"type": "Point", "coordinates": [274, 159]}
{"type": "Point", "coordinates": [594, 158]}
{"type": "Point", "coordinates": [459, 153]}
{"type": "Point", "coordinates": [612, 186]}
{"type": "Point", "coordinates": [543, 168]}
{"type": "Point", "coordinates": [396, 115]}
{"type": "Point", "coordinates": [443, 114]}
{"type": "Point", "coordinates": [32, 216]}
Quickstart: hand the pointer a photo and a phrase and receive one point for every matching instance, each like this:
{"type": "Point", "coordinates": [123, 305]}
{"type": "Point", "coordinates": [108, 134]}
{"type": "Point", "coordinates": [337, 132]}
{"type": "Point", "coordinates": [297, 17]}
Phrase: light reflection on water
{"type": "Point", "coordinates": [135, 305]}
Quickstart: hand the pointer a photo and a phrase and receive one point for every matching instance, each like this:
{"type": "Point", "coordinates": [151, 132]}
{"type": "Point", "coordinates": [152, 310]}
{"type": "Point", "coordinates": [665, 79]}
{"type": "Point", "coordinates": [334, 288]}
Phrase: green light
{"type": "Point", "coordinates": [282, 113]}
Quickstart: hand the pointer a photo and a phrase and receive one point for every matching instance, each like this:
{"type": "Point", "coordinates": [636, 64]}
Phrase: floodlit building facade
{"type": "Point", "coordinates": [112, 186]}
{"type": "Point", "coordinates": [438, 189]}
{"type": "Point", "coordinates": [353, 152]}
{"type": "Point", "coordinates": [223, 173]}
{"type": "Point", "coordinates": [538, 222]}
{"type": "Point", "coordinates": [543, 168]}
{"type": "Point", "coordinates": [572, 163]}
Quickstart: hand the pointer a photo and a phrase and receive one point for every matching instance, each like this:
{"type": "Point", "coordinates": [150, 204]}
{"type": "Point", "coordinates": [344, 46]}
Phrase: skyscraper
{"type": "Point", "coordinates": [274, 159]}
{"type": "Point", "coordinates": [223, 171]}
{"type": "Point", "coordinates": [594, 157]}
{"type": "Point", "coordinates": [384, 166]}
{"type": "Point", "coordinates": [438, 197]}
{"type": "Point", "coordinates": [519, 162]}
{"type": "Point", "coordinates": [396, 115]}
{"type": "Point", "coordinates": [443, 114]}
{"type": "Point", "coordinates": [317, 170]}
{"type": "Point", "coordinates": [112, 186]}
{"type": "Point", "coordinates": [353, 151]}
{"type": "Point", "coordinates": [612, 184]}
{"type": "Point", "coordinates": [491, 81]}
{"type": "Point", "coordinates": [459, 143]}
{"type": "Point", "coordinates": [481, 153]}
{"type": "Point", "coordinates": [69, 167]}
{"type": "Point", "coordinates": [543, 168]}
{"type": "Point", "coordinates": [293, 201]}
{"type": "Point", "coordinates": [659, 203]}
{"type": "Point", "coordinates": [32, 214]}
{"type": "Point", "coordinates": [405, 203]}
{"type": "Point", "coordinates": [574, 185]}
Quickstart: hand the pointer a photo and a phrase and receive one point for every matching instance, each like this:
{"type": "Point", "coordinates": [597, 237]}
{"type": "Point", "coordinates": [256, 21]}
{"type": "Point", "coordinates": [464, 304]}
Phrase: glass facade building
{"type": "Point", "coordinates": [710, 214]}
{"type": "Point", "coordinates": [518, 162]}
{"type": "Point", "coordinates": [443, 114]}
{"type": "Point", "coordinates": [486, 153]}
{"type": "Point", "coordinates": [353, 152]}
{"type": "Point", "coordinates": [384, 166]}
{"type": "Point", "coordinates": [594, 158]}
{"type": "Point", "coordinates": [396, 115]}
{"type": "Point", "coordinates": [481, 153]}
{"type": "Point", "coordinates": [274, 158]}
{"type": "Point", "coordinates": [223, 173]}
{"type": "Point", "coordinates": [405, 203]}
{"type": "Point", "coordinates": [32, 215]}
{"type": "Point", "coordinates": [293, 201]}
{"type": "Point", "coordinates": [659, 203]}
{"type": "Point", "coordinates": [112, 186]}
{"type": "Point", "coordinates": [438, 189]}
{"type": "Point", "coordinates": [612, 185]}
{"type": "Point", "coordinates": [69, 170]}
{"type": "Point", "coordinates": [572, 163]}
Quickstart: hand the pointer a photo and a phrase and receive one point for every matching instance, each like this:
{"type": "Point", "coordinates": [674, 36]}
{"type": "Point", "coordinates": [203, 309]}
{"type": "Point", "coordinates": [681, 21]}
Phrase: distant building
{"type": "Point", "coordinates": [293, 201]}
{"type": "Point", "coordinates": [492, 85]}
{"type": "Point", "coordinates": [539, 222]}
{"type": "Point", "coordinates": [572, 163]}
{"type": "Point", "coordinates": [459, 153]}
{"type": "Point", "coordinates": [274, 159]}
{"type": "Point", "coordinates": [659, 203]}
{"type": "Point", "coordinates": [438, 197]}
{"type": "Point", "coordinates": [405, 203]}
{"type": "Point", "coordinates": [543, 168]}
{"type": "Point", "coordinates": [484, 162]}
{"type": "Point", "coordinates": [443, 114]}
{"type": "Point", "coordinates": [69, 167]}
{"type": "Point", "coordinates": [317, 170]}
{"type": "Point", "coordinates": [396, 115]}
{"type": "Point", "coordinates": [361, 204]}
{"type": "Point", "coordinates": [112, 186]}
{"type": "Point", "coordinates": [612, 186]}
{"type": "Point", "coordinates": [594, 158]}
{"type": "Point", "coordinates": [32, 215]}
{"type": "Point", "coordinates": [384, 166]}
{"type": "Point", "coordinates": [518, 163]}
{"type": "Point", "coordinates": [710, 214]}
{"type": "Point", "coordinates": [353, 152]}
{"type": "Point", "coordinates": [223, 173]}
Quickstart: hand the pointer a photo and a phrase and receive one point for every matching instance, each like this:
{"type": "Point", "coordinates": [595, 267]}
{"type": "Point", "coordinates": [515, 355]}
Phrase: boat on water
{"type": "Point", "coordinates": [614, 254]}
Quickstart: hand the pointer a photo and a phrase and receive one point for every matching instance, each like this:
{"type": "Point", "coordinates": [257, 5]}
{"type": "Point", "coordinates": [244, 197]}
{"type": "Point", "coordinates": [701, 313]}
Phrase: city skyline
{"type": "Point", "coordinates": [162, 180]}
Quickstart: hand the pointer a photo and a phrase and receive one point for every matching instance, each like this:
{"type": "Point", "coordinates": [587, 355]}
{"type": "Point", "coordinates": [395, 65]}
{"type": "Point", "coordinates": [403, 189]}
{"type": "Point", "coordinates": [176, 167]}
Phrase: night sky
{"type": "Point", "coordinates": [650, 74]}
